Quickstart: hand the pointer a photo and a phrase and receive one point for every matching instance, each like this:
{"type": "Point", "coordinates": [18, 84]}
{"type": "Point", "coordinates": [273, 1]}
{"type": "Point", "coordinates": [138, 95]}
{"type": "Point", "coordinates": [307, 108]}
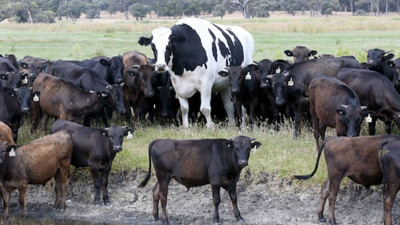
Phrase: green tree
{"type": "Point", "coordinates": [139, 10]}
{"type": "Point", "coordinates": [191, 7]}
{"type": "Point", "coordinates": [219, 10]}
{"type": "Point", "coordinates": [261, 8]}
{"type": "Point", "coordinates": [6, 10]}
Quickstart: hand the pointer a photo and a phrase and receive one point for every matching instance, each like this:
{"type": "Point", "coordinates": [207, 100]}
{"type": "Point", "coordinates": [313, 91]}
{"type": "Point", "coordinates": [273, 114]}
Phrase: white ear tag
{"type": "Point", "coordinates": [254, 149]}
{"type": "Point", "coordinates": [25, 81]}
{"type": "Point", "coordinates": [12, 153]}
{"type": "Point", "coordinates": [290, 82]}
{"type": "Point", "coordinates": [278, 70]}
{"type": "Point", "coordinates": [129, 136]}
{"type": "Point", "coordinates": [35, 98]}
{"type": "Point", "coordinates": [248, 76]}
{"type": "Point", "coordinates": [368, 119]}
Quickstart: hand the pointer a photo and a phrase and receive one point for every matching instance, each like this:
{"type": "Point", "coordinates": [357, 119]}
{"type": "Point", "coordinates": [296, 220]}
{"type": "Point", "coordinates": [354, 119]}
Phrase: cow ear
{"type": "Point", "coordinates": [253, 66]}
{"type": "Point", "coordinates": [105, 62]}
{"type": "Point", "coordinates": [104, 132]}
{"type": "Point", "coordinates": [312, 53]}
{"type": "Point", "coordinates": [389, 56]}
{"type": "Point", "coordinates": [127, 130]}
{"type": "Point", "coordinates": [391, 64]}
{"type": "Point", "coordinates": [288, 53]}
{"type": "Point", "coordinates": [228, 144]}
{"type": "Point", "coordinates": [256, 144]}
{"type": "Point", "coordinates": [223, 73]}
{"type": "Point", "coordinates": [144, 41]}
{"type": "Point", "coordinates": [340, 111]}
{"type": "Point", "coordinates": [11, 147]}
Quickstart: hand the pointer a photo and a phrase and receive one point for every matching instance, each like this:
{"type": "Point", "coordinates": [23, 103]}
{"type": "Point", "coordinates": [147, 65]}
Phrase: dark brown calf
{"type": "Point", "coordinates": [36, 163]}
{"type": "Point", "coordinates": [352, 157]}
{"type": "Point", "coordinates": [389, 157]}
{"type": "Point", "coordinates": [193, 163]}
{"type": "Point", "coordinates": [334, 104]}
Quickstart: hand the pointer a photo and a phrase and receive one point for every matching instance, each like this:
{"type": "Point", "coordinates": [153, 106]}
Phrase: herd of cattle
{"type": "Point", "coordinates": [208, 67]}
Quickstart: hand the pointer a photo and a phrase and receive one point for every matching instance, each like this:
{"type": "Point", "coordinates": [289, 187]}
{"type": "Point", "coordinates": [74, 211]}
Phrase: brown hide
{"type": "Point", "coordinates": [36, 163]}
{"type": "Point", "coordinates": [6, 134]}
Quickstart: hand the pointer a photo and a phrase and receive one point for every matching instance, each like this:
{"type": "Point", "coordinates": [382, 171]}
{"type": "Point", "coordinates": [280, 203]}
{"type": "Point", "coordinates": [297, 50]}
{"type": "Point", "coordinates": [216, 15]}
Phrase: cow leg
{"type": "Point", "coordinates": [163, 194]}
{"type": "Point", "coordinates": [333, 191]}
{"type": "Point", "coordinates": [322, 132]}
{"type": "Point", "coordinates": [322, 199]}
{"type": "Point", "coordinates": [97, 185]}
{"type": "Point", "coordinates": [233, 196]}
{"type": "Point", "coordinates": [315, 122]}
{"type": "Point", "coordinates": [298, 118]}
{"type": "Point", "coordinates": [43, 122]}
{"type": "Point", "coordinates": [371, 126]}
{"type": "Point", "coordinates": [62, 180]}
{"type": "Point", "coordinates": [185, 111]}
{"type": "Point", "coordinates": [6, 202]}
{"type": "Point", "coordinates": [22, 199]}
{"type": "Point", "coordinates": [105, 174]}
{"type": "Point", "coordinates": [238, 112]}
{"type": "Point", "coordinates": [252, 107]}
{"type": "Point", "coordinates": [205, 107]}
{"type": "Point", "coordinates": [388, 199]}
{"type": "Point", "coordinates": [228, 105]}
{"type": "Point", "coordinates": [156, 199]}
{"type": "Point", "coordinates": [217, 200]}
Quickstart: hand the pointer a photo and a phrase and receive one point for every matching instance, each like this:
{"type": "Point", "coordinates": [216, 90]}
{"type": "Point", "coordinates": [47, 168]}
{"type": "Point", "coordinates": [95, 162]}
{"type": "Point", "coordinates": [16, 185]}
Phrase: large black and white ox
{"type": "Point", "coordinates": [193, 51]}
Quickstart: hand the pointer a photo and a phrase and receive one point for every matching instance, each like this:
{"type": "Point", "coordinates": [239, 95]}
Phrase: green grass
{"type": "Point", "coordinates": [280, 154]}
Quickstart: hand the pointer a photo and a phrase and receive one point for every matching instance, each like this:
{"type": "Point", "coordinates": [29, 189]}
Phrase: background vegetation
{"type": "Point", "coordinates": [280, 154]}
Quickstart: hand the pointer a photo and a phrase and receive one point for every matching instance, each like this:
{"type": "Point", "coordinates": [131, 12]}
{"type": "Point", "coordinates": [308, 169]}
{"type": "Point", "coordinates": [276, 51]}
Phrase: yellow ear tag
{"type": "Point", "coordinates": [129, 136]}
{"type": "Point", "coordinates": [36, 98]}
{"type": "Point", "coordinates": [290, 82]}
{"type": "Point", "coordinates": [12, 153]}
{"type": "Point", "coordinates": [368, 119]}
{"type": "Point", "coordinates": [248, 76]}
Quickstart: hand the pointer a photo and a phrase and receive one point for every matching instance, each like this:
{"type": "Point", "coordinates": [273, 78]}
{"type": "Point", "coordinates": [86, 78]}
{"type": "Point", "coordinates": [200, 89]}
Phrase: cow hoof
{"type": "Point", "coordinates": [107, 203]}
{"type": "Point", "coordinates": [321, 219]}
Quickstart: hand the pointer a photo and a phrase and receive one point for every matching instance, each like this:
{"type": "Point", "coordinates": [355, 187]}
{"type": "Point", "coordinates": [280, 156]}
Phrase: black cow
{"type": "Point", "coordinates": [109, 69]}
{"type": "Point", "coordinates": [6, 66]}
{"type": "Point", "coordinates": [245, 87]}
{"type": "Point", "coordinates": [377, 61]}
{"type": "Point", "coordinates": [25, 96]}
{"type": "Point", "coordinates": [62, 68]}
{"type": "Point", "coordinates": [95, 148]}
{"type": "Point", "coordinates": [377, 93]}
{"type": "Point", "coordinates": [10, 110]}
{"type": "Point", "coordinates": [193, 163]}
{"type": "Point", "coordinates": [334, 104]}
{"type": "Point", "coordinates": [396, 78]}
{"type": "Point", "coordinates": [291, 85]}
{"type": "Point", "coordinates": [300, 53]}
{"type": "Point", "coordinates": [389, 158]}
{"type": "Point", "coordinates": [11, 79]}
{"type": "Point", "coordinates": [352, 157]}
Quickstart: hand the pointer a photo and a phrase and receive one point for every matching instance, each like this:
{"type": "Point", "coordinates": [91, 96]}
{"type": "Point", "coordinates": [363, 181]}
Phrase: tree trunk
{"type": "Point", "coordinates": [30, 16]}
{"type": "Point", "coordinates": [378, 11]}
{"type": "Point", "coordinates": [352, 7]}
{"type": "Point", "coordinates": [126, 13]}
{"type": "Point", "coordinates": [387, 7]}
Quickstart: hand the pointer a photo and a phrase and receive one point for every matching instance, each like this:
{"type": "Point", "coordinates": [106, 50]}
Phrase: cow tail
{"type": "Point", "coordinates": [305, 177]}
{"type": "Point", "coordinates": [147, 178]}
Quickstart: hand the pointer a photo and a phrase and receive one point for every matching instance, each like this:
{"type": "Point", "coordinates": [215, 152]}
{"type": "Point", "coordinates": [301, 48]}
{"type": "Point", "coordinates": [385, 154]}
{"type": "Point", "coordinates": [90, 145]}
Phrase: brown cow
{"type": "Point", "coordinates": [6, 134]}
{"type": "Point", "coordinates": [138, 87]}
{"type": "Point", "coordinates": [334, 104]}
{"type": "Point", "coordinates": [352, 157]}
{"type": "Point", "coordinates": [62, 99]}
{"type": "Point", "coordinates": [300, 53]}
{"type": "Point", "coordinates": [389, 157]}
{"type": "Point", "coordinates": [36, 163]}
{"type": "Point", "coordinates": [193, 163]}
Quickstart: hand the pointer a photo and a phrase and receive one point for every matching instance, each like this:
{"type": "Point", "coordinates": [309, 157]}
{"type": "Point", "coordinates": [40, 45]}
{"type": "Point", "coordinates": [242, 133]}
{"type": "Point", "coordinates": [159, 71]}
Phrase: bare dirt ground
{"type": "Point", "coordinates": [262, 199]}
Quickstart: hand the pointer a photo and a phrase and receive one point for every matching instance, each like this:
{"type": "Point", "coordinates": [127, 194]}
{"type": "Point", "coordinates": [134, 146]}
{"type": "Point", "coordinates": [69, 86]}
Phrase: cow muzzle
{"type": "Point", "coordinates": [160, 68]}
{"type": "Point", "coordinates": [242, 163]}
{"type": "Point", "coordinates": [117, 148]}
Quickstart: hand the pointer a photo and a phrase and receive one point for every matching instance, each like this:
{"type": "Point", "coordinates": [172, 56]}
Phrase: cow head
{"type": "Point", "coordinates": [395, 65]}
{"type": "Point", "coordinates": [376, 57]}
{"type": "Point", "coordinates": [115, 67]}
{"type": "Point", "coordinates": [35, 67]}
{"type": "Point", "coordinates": [140, 76]}
{"type": "Point", "coordinates": [239, 76]}
{"type": "Point", "coordinates": [349, 119]}
{"type": "Point", "coordinates": [116, 136]}
{"type": "Point", "coordinates": [10, 79]}
{"type": "Point", "coordinates": [115, 97]}
{"type": "Point", "coordinates": [165, 92]}
{"type": "Point", "coordinates": [279, 84]}
{"type": "Point", "coordinates": [241, 146]}
{"type": "Point", "coordinates": [25, 95]}
{"type": "Point", "coordinates": [300, 53]}
{"type": "Point", "coordinates": [161, 44]}
{"type": "Point", "coordinates": [5, 152]}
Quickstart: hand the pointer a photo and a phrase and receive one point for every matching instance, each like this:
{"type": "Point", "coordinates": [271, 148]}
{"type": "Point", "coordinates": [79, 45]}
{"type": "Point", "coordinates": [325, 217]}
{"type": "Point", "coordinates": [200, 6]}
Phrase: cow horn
{"type": "Point", "coordinates": [252, 139]}
{"type": "Point", "coordinates": [270, 76]}
{"type": "Point", "coordinates": [136, 66]}
{"type": "Point", "coordinates": [345, 106]}
{"type": "Point", "coordinates": [386, 52]}
{"type": "Point", "coordinates": [108, 87]}
{"type": "Point", "coordinates": [91, 91]}
{"type": "Point", "coordinates": [363, 107]}
{"type": "Point", "coordinates": [122, 84]}
{"type": "Point", "coordinates": [255, 62]}
{"type": "Point", "coordinates": [365, 50]}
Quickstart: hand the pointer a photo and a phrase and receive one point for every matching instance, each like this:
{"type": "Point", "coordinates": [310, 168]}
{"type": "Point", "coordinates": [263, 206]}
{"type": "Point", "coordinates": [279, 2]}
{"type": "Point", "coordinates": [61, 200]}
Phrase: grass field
{"type": "Point", "coordinates": [280, 154]}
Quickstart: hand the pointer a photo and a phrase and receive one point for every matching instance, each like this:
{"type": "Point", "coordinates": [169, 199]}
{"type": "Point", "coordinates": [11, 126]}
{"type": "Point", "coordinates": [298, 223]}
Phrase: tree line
{"type": "Point", "coordinates": [48, 11]}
